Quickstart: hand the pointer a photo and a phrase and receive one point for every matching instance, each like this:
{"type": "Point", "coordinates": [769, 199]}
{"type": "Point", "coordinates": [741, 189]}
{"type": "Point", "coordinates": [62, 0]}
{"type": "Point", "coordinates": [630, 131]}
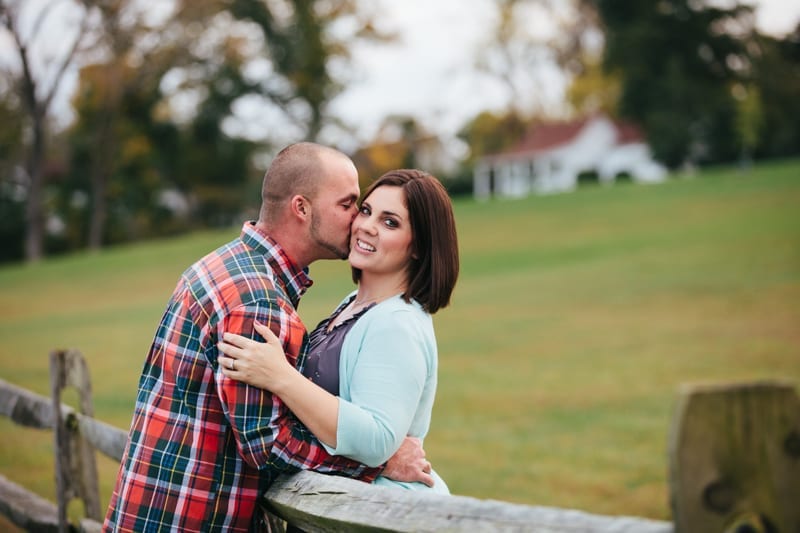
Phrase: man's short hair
{"type": "Point", "coordinates": [296, 169]}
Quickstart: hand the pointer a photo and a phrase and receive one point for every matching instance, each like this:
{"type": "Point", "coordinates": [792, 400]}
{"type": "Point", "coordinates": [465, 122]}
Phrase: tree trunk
{"type": "Point", "coordinates": [99, 205]}
{"type": "Point", "coordinates": [99, 180]}
{"type": "Point", "coordinates": [34, 208]}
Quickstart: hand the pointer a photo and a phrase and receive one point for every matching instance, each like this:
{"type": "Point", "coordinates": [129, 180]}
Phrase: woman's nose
{"type": "Point", "coordinates": [367, 225]}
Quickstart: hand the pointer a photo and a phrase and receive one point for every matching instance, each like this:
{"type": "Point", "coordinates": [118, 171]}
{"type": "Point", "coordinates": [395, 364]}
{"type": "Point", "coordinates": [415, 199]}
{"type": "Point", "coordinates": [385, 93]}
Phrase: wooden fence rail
{"type": "Point", "coordinates": [314, 502]}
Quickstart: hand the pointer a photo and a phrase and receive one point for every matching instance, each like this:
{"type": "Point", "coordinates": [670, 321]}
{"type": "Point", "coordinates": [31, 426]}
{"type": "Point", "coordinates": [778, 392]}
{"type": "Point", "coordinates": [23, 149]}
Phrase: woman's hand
{"type": "Point", "coordinates": [260, 364]}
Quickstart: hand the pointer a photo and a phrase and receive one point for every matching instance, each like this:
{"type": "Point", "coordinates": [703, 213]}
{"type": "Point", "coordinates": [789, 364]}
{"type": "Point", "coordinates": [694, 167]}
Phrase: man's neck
{"type": "Point", "coordinates": [289, 241]}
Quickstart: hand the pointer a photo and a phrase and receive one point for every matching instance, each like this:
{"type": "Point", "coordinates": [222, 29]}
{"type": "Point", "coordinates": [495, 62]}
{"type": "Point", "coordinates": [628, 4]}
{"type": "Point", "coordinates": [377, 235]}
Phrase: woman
{"type": "Point", "coordinates": [370, 376]}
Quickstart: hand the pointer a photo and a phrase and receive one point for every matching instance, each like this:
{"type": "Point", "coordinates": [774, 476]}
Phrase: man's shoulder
{"type": "Point", "coordinates": [234, 268]}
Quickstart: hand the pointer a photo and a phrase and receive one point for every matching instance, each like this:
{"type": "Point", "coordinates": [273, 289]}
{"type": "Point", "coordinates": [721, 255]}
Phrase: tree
{"type": "Point", "coordinates": [298, 47]}
{"type": "Point", "coordinates": [115, 138]}
{"type": "Point", "coordinates": [489, 133]}
{"type": "Point", "coordinates": [214, 167]}
{"type": "Point", "coordinates": [131, 143]}
{"type": "Point", "coordinates": [12, 189]}
{"type": "Point", "coordinates": [678, 61]}
{"type": "Point", "coordinates": [120, 152]}
{"type": "Point", "coordinates": [776, 80]}
{"type": "Point", "coordinates": [400, 142]}
{"type": "Point", "coordinates": [529, 40]}
{"type": "Point", "coordinates": [486, 133]}
{"type": "Point", "coordinates": [206, 52]}
{"type": "Point", "coordinates": [749, 120]}
{"type": "Point", "coordinates": [513, 54]}
{"type": "Point", "coordinates": [37, 88]}
{"type": "Point", "coordinates": [594, 90]}
{"type": "Point", "coordinates": [308, 46]}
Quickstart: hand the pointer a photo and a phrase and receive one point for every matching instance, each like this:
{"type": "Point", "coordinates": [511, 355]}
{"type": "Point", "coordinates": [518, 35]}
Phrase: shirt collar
{"type": "Point", "coordinates": [295, 280]}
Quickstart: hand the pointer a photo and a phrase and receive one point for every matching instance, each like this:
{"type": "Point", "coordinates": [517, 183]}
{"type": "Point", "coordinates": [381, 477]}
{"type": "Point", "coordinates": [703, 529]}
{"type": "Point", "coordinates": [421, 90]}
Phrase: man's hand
{"type": "Point", "coordinates": [409, 463]}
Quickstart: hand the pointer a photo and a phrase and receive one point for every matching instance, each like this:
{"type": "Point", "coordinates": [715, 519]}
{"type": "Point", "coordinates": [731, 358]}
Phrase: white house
{"type": "Point", "coordinates": [550, 158]}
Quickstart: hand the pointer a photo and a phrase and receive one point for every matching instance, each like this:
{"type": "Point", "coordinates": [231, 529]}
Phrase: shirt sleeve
{"type": "Point", "coordinates": [386, 387]}
{"type": "Point", "coordinates": [266, 432]}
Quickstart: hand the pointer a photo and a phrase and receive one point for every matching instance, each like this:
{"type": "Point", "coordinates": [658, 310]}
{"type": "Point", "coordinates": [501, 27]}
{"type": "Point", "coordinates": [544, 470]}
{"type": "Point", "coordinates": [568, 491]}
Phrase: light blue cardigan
{"type": "Point", "coordinates": [387, 384]}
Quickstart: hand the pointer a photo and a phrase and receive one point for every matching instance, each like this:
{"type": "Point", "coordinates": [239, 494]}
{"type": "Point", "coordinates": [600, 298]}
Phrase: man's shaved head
{"type": "Point", "coordinates": [297, 169]}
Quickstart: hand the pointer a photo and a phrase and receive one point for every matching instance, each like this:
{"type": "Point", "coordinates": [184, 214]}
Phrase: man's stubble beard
{"type": "Point", "coordinates": [337, 251]}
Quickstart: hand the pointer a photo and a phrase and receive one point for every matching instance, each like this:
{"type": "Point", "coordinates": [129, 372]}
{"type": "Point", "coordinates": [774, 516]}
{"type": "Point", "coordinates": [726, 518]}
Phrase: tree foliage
{"type": "Point", "coordinates": [489, 133]}
{"type": "Point", "coordinates": [164, 107]}
{"type": "Point", "coordinates": [36, 84]}
{"type": "Point", "coordinates": [776, 82]}
{"type": "Point", "coordinates": [594, 90]}
{"type": "Point", "coordinates": [678, 60]}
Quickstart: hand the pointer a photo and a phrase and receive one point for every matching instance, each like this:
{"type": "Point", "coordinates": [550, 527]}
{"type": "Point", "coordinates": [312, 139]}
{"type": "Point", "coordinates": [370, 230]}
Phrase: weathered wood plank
{"type": "Point", "coordinates": [31, 512]}
{"type": "Point", "coordinates": [104, 437]}
{"type": "Point", "coordinates": [76, 466]}
{"type": "Point", "coordinates": [27, 509]}
{"type": "Point", "coordinates": [316, 502]}
{"type": "Point", "coordinates": [734, 453]}
{"type": "Point", "coordinates": [24, 407]}
{"type": "Point", "coordinates": [33, 410]}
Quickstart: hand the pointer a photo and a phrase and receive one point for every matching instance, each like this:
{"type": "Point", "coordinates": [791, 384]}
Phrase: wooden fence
{"type": "Point", "coordinates": [734, 463]}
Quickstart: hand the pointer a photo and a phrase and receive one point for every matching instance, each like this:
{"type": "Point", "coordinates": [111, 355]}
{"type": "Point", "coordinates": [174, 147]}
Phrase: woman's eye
{"type": "Point", "coordinates": [391, 223]}
{"type": "Point", "coordinates": [364, 210]}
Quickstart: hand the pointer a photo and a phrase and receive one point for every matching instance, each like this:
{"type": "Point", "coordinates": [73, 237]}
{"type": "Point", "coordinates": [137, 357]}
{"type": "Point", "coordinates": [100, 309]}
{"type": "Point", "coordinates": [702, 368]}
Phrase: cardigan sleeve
{"type": "Point", "coordinates": [385, 387]}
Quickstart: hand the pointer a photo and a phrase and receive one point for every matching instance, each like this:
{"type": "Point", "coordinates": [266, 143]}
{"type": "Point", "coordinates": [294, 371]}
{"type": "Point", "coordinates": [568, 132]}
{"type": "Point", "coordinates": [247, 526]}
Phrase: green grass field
{"type": "Point", "coordinates": [575, 319]}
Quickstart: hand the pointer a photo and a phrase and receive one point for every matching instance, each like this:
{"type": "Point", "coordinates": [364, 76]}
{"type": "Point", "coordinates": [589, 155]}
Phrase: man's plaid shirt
{"type": "Point", "coordinates": [203, 448]}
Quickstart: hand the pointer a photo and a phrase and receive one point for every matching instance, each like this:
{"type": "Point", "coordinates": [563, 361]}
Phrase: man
{"type": "Point", "coordinates": [202, 448]}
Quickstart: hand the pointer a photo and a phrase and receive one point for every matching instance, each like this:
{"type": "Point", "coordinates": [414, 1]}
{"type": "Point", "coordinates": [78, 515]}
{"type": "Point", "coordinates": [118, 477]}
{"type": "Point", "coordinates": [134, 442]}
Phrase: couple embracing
{"type": "Point", "coordinates": [235, 392]}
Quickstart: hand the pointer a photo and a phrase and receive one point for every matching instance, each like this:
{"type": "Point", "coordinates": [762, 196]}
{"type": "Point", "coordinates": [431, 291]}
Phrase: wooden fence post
{"type": "Point", "coordinates": [734, 458]}
{"type": "Point", "coordinates": [76, 469]}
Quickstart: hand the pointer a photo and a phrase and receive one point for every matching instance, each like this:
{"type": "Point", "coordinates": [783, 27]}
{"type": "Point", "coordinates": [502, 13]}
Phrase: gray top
{"type": "Point", "coordinates": [325, 348]}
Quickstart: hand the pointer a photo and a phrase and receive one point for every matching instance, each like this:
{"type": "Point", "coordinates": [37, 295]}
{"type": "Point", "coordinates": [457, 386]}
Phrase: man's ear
{"type": "Point", "coordinates": [300, 206]}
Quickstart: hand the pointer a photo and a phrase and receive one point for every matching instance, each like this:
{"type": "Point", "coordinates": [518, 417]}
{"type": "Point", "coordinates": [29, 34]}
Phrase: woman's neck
{"type": "Point", "coordinates": [371, 290]}
{"type": "Point", "coordinates": [374, 289]}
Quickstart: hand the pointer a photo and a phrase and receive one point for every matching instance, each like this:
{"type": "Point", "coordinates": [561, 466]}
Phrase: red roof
{"type": "Point", "coordinates": [543, 137]}
{"type": "Point", "coordinates": [628, 133]}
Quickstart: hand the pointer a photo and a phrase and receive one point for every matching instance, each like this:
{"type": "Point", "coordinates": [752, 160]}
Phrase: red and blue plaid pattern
{"type": "Point", "coordinates": [202, 448]}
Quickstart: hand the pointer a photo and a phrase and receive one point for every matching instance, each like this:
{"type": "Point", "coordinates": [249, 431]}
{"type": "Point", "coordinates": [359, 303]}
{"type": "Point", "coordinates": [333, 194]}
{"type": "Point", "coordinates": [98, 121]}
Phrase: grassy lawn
{"type": "Point", "coordinates": [575, 319]}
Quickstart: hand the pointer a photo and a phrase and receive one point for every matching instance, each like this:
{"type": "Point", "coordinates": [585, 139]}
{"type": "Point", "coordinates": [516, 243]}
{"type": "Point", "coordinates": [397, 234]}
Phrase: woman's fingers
{"type": "Point", "coordinates": [239, 341]}
{"type": "Point", "coordinates": [240, 356]}
{"type": "Point", "coordinates": [235, 339]}
{"type": "Point", "coordinates": [267, 333]}
{"type": "Point", "coordinates": [227, 364]}
{"type": "Point", "coordinates": [230, 350]}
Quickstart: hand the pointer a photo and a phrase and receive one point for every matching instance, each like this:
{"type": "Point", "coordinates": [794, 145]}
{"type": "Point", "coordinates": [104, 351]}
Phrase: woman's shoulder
{"type": "Point", "coordinates": [394, 315]}
{"type": "Point", "coordinates": [396, 308]}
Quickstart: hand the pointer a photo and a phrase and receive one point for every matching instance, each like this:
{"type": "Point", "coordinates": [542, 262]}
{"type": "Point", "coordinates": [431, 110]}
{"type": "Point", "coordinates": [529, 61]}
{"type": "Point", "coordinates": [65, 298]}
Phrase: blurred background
{"type": "Point", "coordinates": [134, 135]}
{"type": "Point", "coordinates": [125, 119]}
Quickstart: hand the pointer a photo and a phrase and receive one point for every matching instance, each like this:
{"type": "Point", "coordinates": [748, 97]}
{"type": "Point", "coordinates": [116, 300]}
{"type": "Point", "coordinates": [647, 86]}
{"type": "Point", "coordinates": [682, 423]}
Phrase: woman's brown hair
{"type": "Point", "coordinates": [433, 270]}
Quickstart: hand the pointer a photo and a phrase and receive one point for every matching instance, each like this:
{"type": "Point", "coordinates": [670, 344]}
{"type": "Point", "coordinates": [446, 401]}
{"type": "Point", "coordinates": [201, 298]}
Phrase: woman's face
{"type": "Point", "coordinates": [380, 241]}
